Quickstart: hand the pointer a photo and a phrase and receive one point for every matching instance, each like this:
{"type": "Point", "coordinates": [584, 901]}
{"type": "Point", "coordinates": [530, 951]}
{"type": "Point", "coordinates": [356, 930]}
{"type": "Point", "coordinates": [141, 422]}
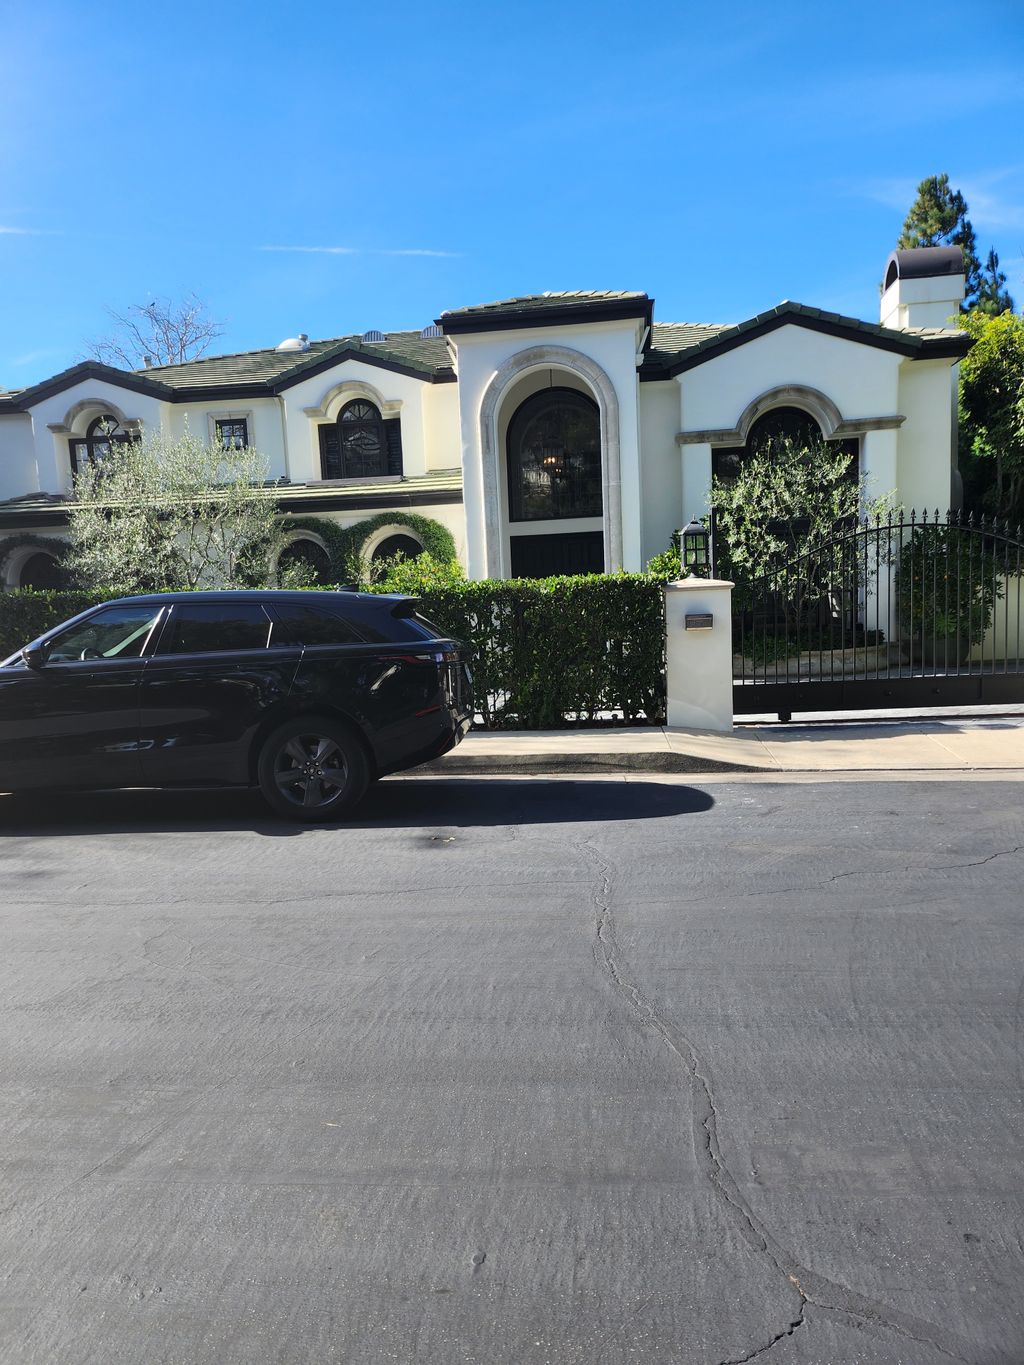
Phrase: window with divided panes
{"type": "Point", "coordinates": [361, 444]}
{"type": "Point", "coordinates": [102, 434]}
{"type": "Point", "coordinates": [232, 432]}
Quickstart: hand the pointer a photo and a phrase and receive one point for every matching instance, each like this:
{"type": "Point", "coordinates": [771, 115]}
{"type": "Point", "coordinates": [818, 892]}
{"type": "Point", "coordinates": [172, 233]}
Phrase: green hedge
{"type": "Point", "coordinates": [546, 653]}
{"type": "Point", "coordinates": [549, 653]}
{"type": "Point", "coordinates": [26, 613]}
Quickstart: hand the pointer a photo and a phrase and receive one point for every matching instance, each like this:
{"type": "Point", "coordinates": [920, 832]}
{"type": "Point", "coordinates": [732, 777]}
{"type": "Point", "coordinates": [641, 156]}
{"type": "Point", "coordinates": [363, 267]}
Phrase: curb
{"type": "Point", "coordinates": [456, 764]}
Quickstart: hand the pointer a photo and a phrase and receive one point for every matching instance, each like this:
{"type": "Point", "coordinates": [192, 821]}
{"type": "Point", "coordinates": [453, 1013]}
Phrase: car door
{"type": "Point", "coordinates": [74, 720]}
{"type": "Point", "coordinates": [213, 677]}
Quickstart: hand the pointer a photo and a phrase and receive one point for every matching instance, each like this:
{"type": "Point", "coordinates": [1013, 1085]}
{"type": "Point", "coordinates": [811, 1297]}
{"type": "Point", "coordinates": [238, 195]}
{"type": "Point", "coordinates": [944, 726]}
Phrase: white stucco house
{"type": "Point", "coordinates": [550, 433]}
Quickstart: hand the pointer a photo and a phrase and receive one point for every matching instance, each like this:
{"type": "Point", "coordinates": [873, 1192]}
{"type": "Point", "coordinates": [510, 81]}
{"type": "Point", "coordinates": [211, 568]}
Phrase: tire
{"type": "Point", "coordinates": [313, 768]}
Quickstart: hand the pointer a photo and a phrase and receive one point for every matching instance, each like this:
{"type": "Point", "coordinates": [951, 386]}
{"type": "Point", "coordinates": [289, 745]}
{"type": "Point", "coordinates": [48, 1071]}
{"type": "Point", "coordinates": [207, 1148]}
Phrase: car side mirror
{"type": "Point", "coordinates": [35, 655]}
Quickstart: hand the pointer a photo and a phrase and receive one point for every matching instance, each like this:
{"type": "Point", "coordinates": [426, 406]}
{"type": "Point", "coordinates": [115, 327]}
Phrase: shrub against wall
{"type": "Point", "coordinates": [548, 653]}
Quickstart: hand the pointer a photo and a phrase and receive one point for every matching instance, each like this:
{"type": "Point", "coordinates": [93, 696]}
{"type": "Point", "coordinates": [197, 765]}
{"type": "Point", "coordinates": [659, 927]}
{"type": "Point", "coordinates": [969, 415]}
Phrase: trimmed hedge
{"type": "Point", "coordinates": [26, 613]}
{"type": "Point", "coordinates": [546, 653]}
{"type": "Point", "coordinates": [555, 652]}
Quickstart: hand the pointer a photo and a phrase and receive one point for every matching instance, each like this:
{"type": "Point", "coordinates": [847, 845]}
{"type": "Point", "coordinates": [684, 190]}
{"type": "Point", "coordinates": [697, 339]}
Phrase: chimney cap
{"type": "Point", "coordinates": [923, 262]}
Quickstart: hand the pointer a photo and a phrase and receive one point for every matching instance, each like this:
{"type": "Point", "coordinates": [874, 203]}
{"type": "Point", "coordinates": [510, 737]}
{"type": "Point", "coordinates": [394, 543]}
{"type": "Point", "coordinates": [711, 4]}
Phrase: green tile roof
{"type": "Point", "coordinates": [548, 302]}
{"type": "Point", "coordinates": [428, 355]}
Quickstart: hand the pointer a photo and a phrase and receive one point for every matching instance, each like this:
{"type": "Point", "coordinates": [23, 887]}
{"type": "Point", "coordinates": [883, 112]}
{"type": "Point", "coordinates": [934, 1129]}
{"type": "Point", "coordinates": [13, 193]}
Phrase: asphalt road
{"type": "Point", "coordinates": [516, 1071]}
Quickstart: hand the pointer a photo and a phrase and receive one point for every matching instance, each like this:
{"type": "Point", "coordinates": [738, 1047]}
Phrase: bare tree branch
{"type": "Point", "coordinates": [168, 332]}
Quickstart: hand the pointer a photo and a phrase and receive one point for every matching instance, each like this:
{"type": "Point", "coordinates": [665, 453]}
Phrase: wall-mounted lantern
{"type": "Point", "coordinates": [695, 553]}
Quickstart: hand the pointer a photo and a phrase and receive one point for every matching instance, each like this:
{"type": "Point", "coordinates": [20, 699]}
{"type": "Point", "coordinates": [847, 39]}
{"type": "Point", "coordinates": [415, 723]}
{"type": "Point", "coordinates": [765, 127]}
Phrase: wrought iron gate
{"type": "Point", "coordinates": [925, 611]}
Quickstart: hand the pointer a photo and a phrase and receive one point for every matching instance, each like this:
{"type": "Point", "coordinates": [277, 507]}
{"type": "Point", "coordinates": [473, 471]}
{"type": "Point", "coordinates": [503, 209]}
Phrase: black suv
{"type": "Point", "coordinates": [309, 695]}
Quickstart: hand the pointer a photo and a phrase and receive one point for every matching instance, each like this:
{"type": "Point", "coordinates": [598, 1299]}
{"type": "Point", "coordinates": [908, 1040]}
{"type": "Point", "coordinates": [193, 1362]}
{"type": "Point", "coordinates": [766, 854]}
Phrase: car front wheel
{"type": "Point", "coordinates": [313, 768]}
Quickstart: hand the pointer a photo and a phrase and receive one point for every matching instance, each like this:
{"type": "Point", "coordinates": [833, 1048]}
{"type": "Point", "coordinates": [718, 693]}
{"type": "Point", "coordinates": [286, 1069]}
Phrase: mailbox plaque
{"type": "Point", "coordinates": [699, 620]}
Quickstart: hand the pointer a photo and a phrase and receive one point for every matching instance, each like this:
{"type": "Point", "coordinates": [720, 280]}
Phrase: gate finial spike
{"type": "Point", "coordinates": [970, 518]}
{"type": "Point", "coordinates": [913, 515]}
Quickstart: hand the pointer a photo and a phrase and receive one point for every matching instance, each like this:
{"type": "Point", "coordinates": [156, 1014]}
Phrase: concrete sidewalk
{"type": "Point", "coordinates": [955, 744]}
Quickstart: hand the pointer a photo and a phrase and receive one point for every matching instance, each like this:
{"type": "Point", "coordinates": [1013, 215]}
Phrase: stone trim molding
{"type": "Point", "coordinates": [603, 390]}
{"type": "Point", "coordinates": [339, 394]}
{"type": "Point", "coordinates": [91, 406]}
{"type": "Point", "coordinates": [382, 533]}
{"type": "Point", "coordinates": [817, 404]}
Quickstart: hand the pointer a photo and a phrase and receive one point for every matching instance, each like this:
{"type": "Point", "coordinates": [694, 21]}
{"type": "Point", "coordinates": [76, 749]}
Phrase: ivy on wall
{"type": "Point", "coordinates": [344, 543]}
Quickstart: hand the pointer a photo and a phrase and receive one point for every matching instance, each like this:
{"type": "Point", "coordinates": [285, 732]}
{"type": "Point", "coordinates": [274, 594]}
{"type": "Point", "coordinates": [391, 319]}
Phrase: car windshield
{"type": "Point", "coordinates": [117, 633]}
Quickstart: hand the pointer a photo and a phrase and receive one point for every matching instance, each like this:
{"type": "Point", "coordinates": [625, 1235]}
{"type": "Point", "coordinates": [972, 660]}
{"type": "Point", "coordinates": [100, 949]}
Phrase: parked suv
{"type": "Point", "coordinates": [309, 695]}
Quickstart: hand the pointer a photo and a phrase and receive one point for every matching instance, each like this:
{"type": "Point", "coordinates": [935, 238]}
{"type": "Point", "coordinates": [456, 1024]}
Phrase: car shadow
{"type": "Point", "coordinates": [393, 804]}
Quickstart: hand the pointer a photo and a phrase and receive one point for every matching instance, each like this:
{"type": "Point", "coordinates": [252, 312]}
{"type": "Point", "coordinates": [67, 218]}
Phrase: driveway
{"type": "Point", "coordinates": [516, 1071]}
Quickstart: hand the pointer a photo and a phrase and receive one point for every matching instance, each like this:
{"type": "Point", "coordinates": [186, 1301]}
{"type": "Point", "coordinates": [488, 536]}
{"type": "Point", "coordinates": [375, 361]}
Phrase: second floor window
{"type": "Point", "coordinates": [361, 444]}
{"type": "Point", "coordinates": [232, 433]}
{"type": "Point", "coordinates": [102, 434]}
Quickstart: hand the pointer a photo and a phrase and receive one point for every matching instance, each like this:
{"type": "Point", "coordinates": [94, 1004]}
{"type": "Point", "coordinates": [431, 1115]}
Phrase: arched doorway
{"type": "Point", "coordinates": [554, 479]}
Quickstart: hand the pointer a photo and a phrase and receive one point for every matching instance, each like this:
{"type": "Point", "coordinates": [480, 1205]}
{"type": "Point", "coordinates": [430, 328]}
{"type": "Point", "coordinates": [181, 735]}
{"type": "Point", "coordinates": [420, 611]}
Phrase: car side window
{"type": "Point", "coordinates": [114, 633]}
{"type": "Point", "coordinates": [214, 627]}
{"type": "Point", "coordinates": [298, 624]}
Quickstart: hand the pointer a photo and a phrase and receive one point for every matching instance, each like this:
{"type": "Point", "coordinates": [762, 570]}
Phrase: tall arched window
{"type": "Point", "coordinates": [102, 434]}
{"type": "Point", "coordinates": [554, 457]}
{"type": "Point", "coordinates": [361, 444]}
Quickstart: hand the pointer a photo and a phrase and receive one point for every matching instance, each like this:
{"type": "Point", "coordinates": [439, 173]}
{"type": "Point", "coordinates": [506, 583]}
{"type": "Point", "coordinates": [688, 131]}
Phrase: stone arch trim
{"type": "Point", "coordinates": [16, 551]}
{"type": "Point", "coordinates": [815, 403]}
{"type": "Point", "coordinates": [335, 398]}
{"type": "Point", "coordinates": [382, 533]}
{"type": "Point", "coordinates": [603, 390]}
{"type": "Point", "coordinates": [812, 401]}
{"type": "Point", "coordinates": [90, 407]}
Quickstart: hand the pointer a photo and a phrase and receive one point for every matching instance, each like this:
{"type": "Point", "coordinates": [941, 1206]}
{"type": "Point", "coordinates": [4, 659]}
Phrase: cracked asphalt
{"type": "Point", "coordinates": [593, 1070]}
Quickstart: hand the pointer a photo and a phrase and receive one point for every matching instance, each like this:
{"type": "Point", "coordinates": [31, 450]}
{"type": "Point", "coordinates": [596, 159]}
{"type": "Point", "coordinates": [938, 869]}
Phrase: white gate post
{"type": "Point", "coordinates": [698, 653]}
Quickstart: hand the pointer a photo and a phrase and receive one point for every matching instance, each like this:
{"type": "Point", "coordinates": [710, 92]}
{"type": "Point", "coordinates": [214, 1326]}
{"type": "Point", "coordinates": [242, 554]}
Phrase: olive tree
{"type": "Point", "coordinates": [166, 513]}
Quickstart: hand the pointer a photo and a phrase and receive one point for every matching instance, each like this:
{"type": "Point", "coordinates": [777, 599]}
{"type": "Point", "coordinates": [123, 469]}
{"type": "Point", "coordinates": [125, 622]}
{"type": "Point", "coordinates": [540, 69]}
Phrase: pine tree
{"type": "Point", "coordinates": [938, 217]}
{"type": "Point", "coordinates": [993, 296]}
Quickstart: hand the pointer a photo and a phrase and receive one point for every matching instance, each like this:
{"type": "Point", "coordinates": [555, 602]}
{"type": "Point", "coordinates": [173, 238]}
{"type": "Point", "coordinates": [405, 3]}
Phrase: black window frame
{"type": "Point", "coordinates": [85, 447]}
{"type": "Point", "coordinates": [562, 507]}
{"type": "Point", "coordinates": [336, 463]}
{"type": "Point", "coordinates": [220, 422]}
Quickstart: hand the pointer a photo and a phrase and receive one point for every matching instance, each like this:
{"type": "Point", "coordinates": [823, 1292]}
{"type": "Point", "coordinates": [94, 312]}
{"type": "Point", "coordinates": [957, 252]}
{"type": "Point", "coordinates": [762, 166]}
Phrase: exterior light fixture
{"type": "Point", "coordinates": [695, 556]}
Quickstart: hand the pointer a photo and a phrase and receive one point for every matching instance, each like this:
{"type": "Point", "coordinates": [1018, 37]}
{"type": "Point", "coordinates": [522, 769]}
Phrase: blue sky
{"type": "Point", "coordinates": [328, 168]}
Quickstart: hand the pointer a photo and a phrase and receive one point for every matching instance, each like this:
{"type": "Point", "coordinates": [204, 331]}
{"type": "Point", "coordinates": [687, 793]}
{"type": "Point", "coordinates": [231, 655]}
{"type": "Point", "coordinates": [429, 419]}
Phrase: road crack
{"type": "Point", "coordinates": [813, 1290]}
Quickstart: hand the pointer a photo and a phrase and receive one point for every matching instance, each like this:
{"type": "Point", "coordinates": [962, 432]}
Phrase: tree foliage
{"type": "Point", "coordinates": [163, 514]}
{"type": "Point", "coordinates": [992, 413]}
{"type": "Point", "coordinates": [163, 332]}
{"type": "Point", "coordinates": [938, 217]}
{"type": "Point", "coordinates": [785, 496]}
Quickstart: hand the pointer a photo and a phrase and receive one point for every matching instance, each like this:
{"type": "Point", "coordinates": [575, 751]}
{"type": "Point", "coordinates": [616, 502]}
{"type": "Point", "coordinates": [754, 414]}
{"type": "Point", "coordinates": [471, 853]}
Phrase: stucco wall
{"type": "Point", "coordinates": [862, 381]}
{"type": "Point", "coordinates": [661, 481]}
{"type": "Point", "coordinates": [51, 449]}
{"type": "Point", "coordinates": [481, 356]}
{"type": "Point", "coordinates": [19, 472]}
{"type": "Point", "coordinates": [924, 460]}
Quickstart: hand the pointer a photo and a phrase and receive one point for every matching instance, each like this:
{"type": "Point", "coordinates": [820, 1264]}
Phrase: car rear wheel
{"type": "Point", "coordinates": [313, 768]}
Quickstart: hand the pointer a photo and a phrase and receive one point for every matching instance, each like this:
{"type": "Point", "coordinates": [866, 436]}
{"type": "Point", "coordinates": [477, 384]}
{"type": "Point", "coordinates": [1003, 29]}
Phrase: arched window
{"type": "Point", "coordinates": [361, 444]}
{"type": "Point", "coordinates": [102, 434]}
{"type": "Point", "coordinates": [554, 458]}
{"type": "Point", "coordinates": [781, 424]}
{"type": "Point", "coordinates": [308, 558]}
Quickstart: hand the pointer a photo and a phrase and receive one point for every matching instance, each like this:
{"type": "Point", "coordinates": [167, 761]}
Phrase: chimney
{"type": "Point", "coordinates": [923, 287]}
{"type": "Point", "coordinates": [149, 361]}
